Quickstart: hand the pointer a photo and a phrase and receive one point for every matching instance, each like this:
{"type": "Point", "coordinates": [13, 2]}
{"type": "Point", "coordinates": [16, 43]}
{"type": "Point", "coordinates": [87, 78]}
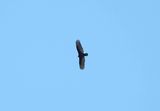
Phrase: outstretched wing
{"type": "Point", "coordinates": [81, 62]}
{"type": "Point", "coordinates": [79, 47]}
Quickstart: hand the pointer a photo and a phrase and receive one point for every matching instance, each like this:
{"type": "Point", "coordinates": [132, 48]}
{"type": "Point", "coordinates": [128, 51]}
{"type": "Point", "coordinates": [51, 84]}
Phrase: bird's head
{"type": "Point", "coordinates": [85, 54]}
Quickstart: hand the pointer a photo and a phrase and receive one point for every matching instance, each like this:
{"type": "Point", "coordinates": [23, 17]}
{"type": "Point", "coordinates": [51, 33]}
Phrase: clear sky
{"type": "Point", "coordinates": [38, 60]}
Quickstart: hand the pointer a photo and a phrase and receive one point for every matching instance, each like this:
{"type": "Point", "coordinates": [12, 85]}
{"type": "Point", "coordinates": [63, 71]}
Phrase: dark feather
{"type": "Point", "coordinates": [81, 62]}
{"type": "Point", "coordinates": [81, 54]}
{"type": "Point", "coordinates": [79, 47]}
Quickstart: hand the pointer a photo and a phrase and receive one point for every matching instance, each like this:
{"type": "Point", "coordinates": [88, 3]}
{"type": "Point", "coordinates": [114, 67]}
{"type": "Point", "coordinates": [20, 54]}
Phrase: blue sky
{"type": "Point", "coordinates": [38, 60]}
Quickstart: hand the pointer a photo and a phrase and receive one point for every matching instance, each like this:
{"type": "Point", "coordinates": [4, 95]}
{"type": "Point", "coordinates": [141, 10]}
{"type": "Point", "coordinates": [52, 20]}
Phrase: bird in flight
{"type": "Point", "coordinates": [81, 54]}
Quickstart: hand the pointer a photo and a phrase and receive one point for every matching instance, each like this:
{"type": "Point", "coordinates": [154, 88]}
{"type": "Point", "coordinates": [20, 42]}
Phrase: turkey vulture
{"type": "Point", "coordinates": [81, 54]}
